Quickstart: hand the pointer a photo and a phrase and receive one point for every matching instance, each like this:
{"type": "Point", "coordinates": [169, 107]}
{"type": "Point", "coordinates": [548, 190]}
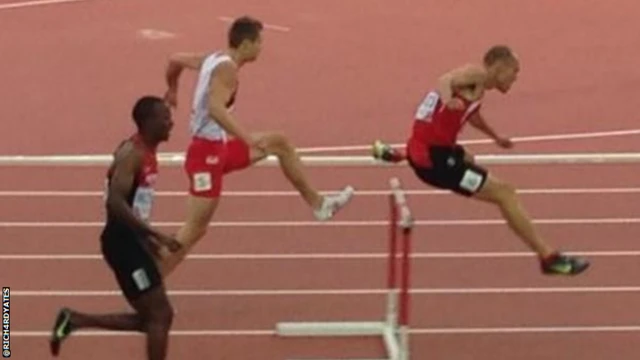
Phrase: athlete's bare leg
{"type": "Point", "coordinates": [200, 212]}
{"type": "Point", "coordinates": [279, 146]}
{"type": "Point", "coordinates": [504, 196]}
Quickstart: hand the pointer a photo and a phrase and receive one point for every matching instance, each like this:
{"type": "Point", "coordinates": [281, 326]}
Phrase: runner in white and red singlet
{"type": "Point", "coordinates": [437, 159]}
{"type": "Point", "coordinates": [220, 145]}
{"type": "Point", "coordinates": [129, 244]}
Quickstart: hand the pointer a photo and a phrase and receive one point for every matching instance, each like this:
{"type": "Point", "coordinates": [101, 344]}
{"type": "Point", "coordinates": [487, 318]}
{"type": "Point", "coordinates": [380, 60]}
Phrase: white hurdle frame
{"type": "Point", "coordinates": [177, 159]}
{"type": "Point", "coordinates": [394, 328]}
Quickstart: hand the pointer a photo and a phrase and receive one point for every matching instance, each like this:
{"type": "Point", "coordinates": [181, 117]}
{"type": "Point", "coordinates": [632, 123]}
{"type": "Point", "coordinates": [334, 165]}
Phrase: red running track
{"type": "Point", "coordinates": [228, 296]}
{"type": "Point", "coordinates": [470, 277]}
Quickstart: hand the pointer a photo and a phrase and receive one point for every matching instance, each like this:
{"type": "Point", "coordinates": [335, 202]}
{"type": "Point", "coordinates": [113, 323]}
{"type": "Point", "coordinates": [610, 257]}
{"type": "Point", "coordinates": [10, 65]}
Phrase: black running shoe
{"type": "Point", "coordinates": [560, 264]}
{"type": "Point", "coordinates": [61, 330]}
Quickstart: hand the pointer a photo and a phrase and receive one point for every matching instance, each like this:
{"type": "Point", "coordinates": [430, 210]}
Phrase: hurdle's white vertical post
{"type": "Point", "coordinates": [406, 224]}
{"type": "Point", "coordinates": [404, 294]}
{"type": "Point", "coordinates": [392, 292]}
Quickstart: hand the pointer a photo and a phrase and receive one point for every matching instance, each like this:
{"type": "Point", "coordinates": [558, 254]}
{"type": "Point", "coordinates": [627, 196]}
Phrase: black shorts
{"type": "Point", "coordinates": [449, 170]}
{"type": "Point", "coordinates": [132, 264]}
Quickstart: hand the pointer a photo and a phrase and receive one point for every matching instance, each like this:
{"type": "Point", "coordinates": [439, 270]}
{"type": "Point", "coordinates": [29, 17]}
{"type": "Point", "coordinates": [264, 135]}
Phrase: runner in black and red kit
{"type": "Point", "coordinates": [129, 245]}
{"type": "Point", "coordinates": [436, 158]}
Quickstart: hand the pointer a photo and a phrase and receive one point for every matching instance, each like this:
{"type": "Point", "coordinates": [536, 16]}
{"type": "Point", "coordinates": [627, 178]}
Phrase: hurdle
{"type": "Point", "coordinates": [177, 159]}
{"type": "Point", "coordinates": [393, 328]}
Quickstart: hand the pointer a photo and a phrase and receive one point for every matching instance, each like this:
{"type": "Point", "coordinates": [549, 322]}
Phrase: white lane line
{"type": "Point", "coordinates": [362, 223]}
{"type": "Point", "coordinates": [267, 193]}
{"type": "Point", "coordinates": [328, 256]}
{"type": "Point", "coordinates": [415, 331]}
{"type": "Point", "coordinates": [24, 4]}
{"type": "Point", "coordinates": [341, 292]}
{"type": "Point", "coordinates": [521, 139]}
{"type": "Point", "coordinates": [155, 34]}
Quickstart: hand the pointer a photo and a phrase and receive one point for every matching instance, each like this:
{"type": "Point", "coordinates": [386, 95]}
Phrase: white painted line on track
{"type": "Point", "coordinates": [328, 256]}
{"type": "Point", "coordinates": [270, 193]}
{"type": "Point", "coordinates": [341, 292]}
{"type": "Point", "coordinates": [362, 223]}
{"type": "Point", "coordinates": [414, 331]}
{"type": "Point", "coordinates": [27, 4]}
{"type": "Point", "coordinates": [521, 139]}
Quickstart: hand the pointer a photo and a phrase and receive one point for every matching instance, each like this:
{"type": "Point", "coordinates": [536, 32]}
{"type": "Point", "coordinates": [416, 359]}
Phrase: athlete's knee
{"type": "Point", "coordinates": [278, 144]}
{"type": "Point", "coordinates": [160, 316]}
{"type": "Point", "coordinates": [199, 214]}
{"type": "Point", "coordinates": [155, 310]}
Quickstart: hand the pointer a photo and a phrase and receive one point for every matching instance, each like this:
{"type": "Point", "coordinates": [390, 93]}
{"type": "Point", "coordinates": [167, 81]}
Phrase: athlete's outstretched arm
{"type": "Point", "coordinates": [478, 122]}
{"type": "Point", "coordinates": [222, 85]}
{"type": "Point", "coordinates": [467, 75]}
{"type": "Point", "coordinates": [176, 64]}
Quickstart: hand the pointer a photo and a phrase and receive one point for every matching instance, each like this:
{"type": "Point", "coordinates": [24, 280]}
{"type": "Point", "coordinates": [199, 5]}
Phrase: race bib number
{"type": "Point", "coordinates": [427, 107]}
{"type": "Point", "coordinates": [141, 279]}
{"type": "Point", "coordinates": [471, 181]}
{"type": "Point", "coordinates": [142, 202]}
{"type": "Point", "coordinates": [202, 182]}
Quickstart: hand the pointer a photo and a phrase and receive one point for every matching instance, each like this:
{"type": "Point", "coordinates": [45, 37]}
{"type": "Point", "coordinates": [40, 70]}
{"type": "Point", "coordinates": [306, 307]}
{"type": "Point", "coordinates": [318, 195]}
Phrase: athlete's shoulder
{"type": "Point", "coordinates": [470, 70]}
{"type": "Point", "coordinates": [129, 150]}
{"type": "Point", "coordinates": [226, 72]}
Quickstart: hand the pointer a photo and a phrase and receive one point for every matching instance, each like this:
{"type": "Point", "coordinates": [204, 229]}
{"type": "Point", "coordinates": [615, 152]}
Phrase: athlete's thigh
{"type": "Point", "coordinates": [239, 156]}
{"type": "Point", "coordinates": [451, 170]}
{"type": "Point", "coordinates": [492, 189]}
{"type": "Point", "coordinates": [204, 166]}
{"type": "Point", "coordinates": [133, 266]}
{"type": "Point", "coordinates": [200, 209]}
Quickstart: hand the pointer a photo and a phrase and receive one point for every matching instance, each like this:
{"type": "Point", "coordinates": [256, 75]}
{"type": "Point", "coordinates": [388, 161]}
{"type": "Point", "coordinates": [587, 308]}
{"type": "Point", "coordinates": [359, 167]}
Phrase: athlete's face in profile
{"type": "Point", "coordinates": [507, 74]}
{"type": "Point", "coordinates": [252, 49]}
{"type": "Point", "coordinates": [161, 124]}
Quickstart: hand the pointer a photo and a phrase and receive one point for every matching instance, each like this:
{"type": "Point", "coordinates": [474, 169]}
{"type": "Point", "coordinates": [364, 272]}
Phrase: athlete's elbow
{"type": "Point", "coordinates": [116, 205]}
{"type": "Point", "coordinates": [445, 83]}
{"type": "Point", "coordinates": [217, 110]}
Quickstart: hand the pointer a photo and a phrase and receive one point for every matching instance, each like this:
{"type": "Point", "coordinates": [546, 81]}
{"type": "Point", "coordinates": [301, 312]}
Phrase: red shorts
{"type": "Point", "coordinates": [207, 161]}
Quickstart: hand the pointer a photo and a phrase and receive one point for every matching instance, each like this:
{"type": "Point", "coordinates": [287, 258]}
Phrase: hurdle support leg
{"type": "Point", "coordinates": [392, 329]}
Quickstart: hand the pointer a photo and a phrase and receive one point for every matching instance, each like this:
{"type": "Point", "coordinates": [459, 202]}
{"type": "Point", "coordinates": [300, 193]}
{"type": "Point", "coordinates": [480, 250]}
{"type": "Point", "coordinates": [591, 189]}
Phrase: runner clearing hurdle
{"type": "Point", "coordinates": [438, 160]}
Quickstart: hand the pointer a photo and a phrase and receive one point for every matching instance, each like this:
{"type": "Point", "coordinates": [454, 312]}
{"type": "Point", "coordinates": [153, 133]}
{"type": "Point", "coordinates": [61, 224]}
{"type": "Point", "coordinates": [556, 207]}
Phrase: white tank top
{"type": "Point", "coordinates": [202, 125]}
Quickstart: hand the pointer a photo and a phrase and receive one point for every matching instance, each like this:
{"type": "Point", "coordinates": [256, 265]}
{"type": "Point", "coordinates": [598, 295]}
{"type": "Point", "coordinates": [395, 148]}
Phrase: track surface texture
{"type": "Point", "coordinates": [333, 73]}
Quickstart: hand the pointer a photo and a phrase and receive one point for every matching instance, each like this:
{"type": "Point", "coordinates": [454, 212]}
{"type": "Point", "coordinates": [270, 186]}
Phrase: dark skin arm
{"type": "Point", "coordinates": [127, 163]}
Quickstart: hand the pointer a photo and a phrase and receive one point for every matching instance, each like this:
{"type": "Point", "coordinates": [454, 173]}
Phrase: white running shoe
{"type": "Point", "coordinates": [331, 204]}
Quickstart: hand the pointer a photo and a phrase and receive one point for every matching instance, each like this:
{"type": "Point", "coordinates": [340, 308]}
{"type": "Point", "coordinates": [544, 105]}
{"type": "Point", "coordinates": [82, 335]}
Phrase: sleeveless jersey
{"type": "Point", "coordinates": [436, 125]}
{"type": "Point", "coordinates": [202, 125]}
{"type": "Point", "coordinates": [141, 196]}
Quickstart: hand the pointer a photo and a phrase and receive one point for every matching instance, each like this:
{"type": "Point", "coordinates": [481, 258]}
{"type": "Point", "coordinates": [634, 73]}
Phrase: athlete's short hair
{"type": "Point", "coordinates": [144, 109]}
{"type": "Point", "coordinates": [244, 28]}
{"type": "Point", "coordinates": [498, 53]}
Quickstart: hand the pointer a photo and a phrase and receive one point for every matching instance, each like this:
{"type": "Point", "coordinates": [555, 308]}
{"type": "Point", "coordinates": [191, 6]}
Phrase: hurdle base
{"type": "Point", "coordinates": [345, 329]}
{"type": "Point", "coordinates": [365, 328]}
